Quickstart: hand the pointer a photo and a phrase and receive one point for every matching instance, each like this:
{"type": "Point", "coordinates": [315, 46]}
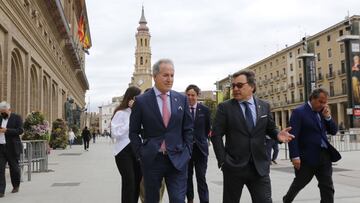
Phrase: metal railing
{"type": "Point", "coordinates": [346, 140]}
{"type": "Point", "coordinates": [343, 141]}
{"type": "Point", "coordinates": [34, 157]}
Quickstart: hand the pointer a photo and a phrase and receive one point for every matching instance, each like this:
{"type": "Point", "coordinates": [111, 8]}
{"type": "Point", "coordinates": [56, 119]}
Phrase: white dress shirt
{"type": "Point", "coordinates": [160, 102]}
{"type": "Point", "coordinates": [2, 135]}
{"type": "Point", "coordinates": [120, 129]}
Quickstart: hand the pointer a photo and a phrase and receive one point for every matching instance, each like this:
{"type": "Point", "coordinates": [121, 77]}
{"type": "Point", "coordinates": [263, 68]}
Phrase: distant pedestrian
{"type": "Point", "coordinates": [127, 164]}
{"type": "Point", "coordinates": [341, 131]}
{"type": "Point", "coordinates": [11, 127]}
{"type": "Point", "coordinates": [71, 137]}
{"type": "Point", "coordinates": [272, 145]}
{"type": "Point", "coordinates": [86, 138]}
{"type": "Point", "coordinates": [94, 136]}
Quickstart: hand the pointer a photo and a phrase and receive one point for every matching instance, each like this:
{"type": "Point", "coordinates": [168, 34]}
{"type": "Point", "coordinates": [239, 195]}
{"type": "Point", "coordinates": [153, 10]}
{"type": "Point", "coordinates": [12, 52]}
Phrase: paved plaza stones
{"type": "Point", "coordinates": [78, 176]}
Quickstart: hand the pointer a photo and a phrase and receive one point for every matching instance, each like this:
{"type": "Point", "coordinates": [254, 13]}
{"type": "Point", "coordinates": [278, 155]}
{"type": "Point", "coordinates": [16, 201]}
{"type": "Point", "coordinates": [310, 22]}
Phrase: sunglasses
{"type": "Point", "coordinates": [239, 85]}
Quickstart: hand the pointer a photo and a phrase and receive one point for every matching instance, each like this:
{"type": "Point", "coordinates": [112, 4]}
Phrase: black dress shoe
{"type": "Point", "coordinates": [15, 190]}
{"type": "Point", "coordinates": [1, 195]}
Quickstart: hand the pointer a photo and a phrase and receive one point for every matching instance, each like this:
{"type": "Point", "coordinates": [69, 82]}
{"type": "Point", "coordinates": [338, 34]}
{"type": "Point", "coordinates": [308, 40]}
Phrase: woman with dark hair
{"type": "Point", "coordinates": [126, 162]}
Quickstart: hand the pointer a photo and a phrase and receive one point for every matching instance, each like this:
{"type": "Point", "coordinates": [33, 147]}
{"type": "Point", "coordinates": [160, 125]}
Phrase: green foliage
{"type": "Point", "coordinates": [36, 127]}
{"type": "Point", "coordinates": [59, 136]}
{"type": "Point", "coordinates": [212, 106]}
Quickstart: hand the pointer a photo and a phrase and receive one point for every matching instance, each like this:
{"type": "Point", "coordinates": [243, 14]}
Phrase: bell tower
{"type": "Point", "coordinates": [142, 76]}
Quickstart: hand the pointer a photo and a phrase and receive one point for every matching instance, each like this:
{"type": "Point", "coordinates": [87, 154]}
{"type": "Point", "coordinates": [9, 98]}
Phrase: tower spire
{"type": "Point", "coordinates": [142, 19]}
{"type": "Point", "coordinates": [142, 22]}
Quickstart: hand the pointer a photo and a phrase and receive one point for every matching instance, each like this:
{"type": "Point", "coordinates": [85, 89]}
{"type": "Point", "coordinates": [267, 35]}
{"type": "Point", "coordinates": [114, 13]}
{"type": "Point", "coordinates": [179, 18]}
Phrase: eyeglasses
{"type": "Point", "coordinates": [239, 85]}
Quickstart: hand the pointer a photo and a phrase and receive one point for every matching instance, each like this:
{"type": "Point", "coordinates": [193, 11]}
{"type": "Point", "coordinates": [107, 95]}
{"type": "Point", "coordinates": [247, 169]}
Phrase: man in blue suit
{"type": "Point", "coordinates": [310, 152]}
{"type": "Point", "coordinates": [165, 145]}
{"type": "Point", "coordinates": [201, 118]}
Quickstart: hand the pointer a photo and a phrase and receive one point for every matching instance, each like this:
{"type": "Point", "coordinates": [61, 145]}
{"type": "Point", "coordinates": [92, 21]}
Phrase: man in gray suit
{"type": "Point", "coordinates": [245, 121]}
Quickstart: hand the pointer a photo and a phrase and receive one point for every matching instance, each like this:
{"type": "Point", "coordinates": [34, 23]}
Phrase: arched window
{"type": "Point", "coordinates": [16, 98]}
{"type": "Point", "coordinates": [146, 42]}
{"type": "Point", "coordinates": [141, 60]}
{"type": "Point", "coordinates": [141, 43]}
{"type": "Point", "coordinates": [34, 89]}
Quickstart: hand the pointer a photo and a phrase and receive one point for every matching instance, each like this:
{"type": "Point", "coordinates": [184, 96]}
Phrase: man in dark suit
{"type": "Point", "coordinates": [245, 121]}
{"type": "Point", "coordinates": [85, 134]}
{"type": "Point", "coordinates": [201, 118]}
{"type": "Point", "coordinates": [165, 145]}
{"type": "Point", "coordinates": [310, 152]}
{"type": "Point", "coordinates": [10, 146]}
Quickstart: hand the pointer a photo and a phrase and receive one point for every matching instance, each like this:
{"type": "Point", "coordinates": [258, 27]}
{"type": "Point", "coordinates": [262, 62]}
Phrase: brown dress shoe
{"type": "Point", "coordinates": [190, 201]}
{"type": "Point", "coordinates": [1, 195]}
{"type": "Point", "coordinates": [15, 190]}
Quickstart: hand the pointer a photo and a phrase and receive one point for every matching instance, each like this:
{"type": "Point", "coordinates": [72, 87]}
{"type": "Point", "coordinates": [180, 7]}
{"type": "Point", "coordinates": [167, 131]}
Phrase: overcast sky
{"type": "Point", "coordinates": [206, 39]}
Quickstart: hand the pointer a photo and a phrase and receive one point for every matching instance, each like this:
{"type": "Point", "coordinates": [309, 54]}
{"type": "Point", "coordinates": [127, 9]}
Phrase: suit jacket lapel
{"type": "Point", "coordinates": [258, 110]}
{"type": "Point", "coordinates": [313, 115]}
{"type": "Point", "coordinates": [174, 103]}
{"type": "Point", "coordinates": [197, 112]}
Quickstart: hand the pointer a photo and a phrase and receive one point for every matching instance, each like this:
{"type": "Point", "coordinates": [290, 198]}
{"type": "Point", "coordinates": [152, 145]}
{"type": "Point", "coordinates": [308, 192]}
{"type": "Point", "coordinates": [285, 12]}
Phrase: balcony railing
{"type": "Point", "coordinates": [341, 72]}
{"type": "Point", "coordinates": [330, 75]}
{"type": "Point", "coordinates": [319, 77]}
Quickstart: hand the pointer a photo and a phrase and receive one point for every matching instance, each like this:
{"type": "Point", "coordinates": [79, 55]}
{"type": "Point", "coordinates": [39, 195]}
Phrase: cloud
{"type": "Point", "coordinates": [207, 39]}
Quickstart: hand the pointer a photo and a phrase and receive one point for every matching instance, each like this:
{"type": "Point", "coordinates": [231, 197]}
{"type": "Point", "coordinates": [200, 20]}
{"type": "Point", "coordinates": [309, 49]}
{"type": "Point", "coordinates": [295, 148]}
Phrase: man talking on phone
{"type": "Point", "coordinates": [310, 152]}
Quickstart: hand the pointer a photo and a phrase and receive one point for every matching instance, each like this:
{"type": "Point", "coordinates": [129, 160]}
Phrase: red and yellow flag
{"type": "Point", "coordinates": [81, 29]}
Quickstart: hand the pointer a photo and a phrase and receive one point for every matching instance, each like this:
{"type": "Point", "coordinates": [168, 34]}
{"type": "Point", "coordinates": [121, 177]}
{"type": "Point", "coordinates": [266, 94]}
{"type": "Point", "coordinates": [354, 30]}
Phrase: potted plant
{"type": "Point", "coordinates": [36, 127]}
{"type": "Point", "coordinates": [59, 136]}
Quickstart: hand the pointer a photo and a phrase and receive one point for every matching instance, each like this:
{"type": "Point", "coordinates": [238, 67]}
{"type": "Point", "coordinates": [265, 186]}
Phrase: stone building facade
{"type": "Point", "coordinates": [280, 77]}
{"type": "Point", "coordinates": [41, 56]}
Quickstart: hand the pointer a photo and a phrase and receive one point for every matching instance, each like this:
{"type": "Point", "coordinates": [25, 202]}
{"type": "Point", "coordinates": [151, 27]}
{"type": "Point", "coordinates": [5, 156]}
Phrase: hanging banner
{"type": "Point", "coordinates": [355, 80]}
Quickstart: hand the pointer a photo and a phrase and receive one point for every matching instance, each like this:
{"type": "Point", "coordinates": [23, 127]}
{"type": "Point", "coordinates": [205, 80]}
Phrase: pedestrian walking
{"type": "Point", "coordinates": [199, 158]}
{"type": "Point", "coordinates": [71, 137]}
{"type": "Point", "coordinates": [93, 136]}
{"type": "Point", "coordinates": [127, 164]}
{"type": "Point", "coordinates": [11, 127]}
{"type": "Point", "coordinates": [272, 147]}
{"type": "Point", "coordinates": [164, 148]}
{"type": "Point", "coordinates": [244, 121]}
{"type": "Point", "coordinates": [310, 152]}
{"type": "Point", "coordinates": [86, 138]}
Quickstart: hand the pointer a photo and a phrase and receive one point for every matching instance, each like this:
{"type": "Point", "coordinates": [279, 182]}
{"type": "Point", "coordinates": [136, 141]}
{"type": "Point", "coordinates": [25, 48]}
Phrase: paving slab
{"type": "Point", "coordinates": [78, 176]}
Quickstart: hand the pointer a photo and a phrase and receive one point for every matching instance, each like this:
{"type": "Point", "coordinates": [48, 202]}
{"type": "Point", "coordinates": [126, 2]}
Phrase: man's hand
{"type": "Point", "coordinates": [296, 163]}
{"type": "Point", "coordinates": [285, 136]}
{"type": "Point", "coordinates": [326, 111]}
{"type": "Point", "coordinates": [2, 130]}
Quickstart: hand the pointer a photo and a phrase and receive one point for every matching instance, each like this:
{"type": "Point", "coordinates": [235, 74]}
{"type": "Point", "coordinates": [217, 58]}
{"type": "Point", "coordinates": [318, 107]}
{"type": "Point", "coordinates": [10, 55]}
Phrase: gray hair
{"type": "Point", "coordinates": [4, 105]}
{"type": "Point", "coordinates": [156, 66]}
{"type": "Point", "coordinates": [316, 93]}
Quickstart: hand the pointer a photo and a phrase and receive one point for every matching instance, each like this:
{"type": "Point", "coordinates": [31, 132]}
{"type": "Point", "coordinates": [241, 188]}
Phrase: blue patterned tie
{"type": "Point", "coordinates": [318, 118]}
{"type": "Point", "coordinates": [248, 115]}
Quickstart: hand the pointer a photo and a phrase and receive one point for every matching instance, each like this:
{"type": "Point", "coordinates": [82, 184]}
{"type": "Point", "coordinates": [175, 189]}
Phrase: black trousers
{"type": "Point", "coordinates": [86, 144]}
{"type": "Point", "coordinates": [130, 171]}
{"type": "Point", "coordinates": [199, 161]}
{"type": "Point", "coordinates": [235, 179]}
{"type": "Point", "coordinates": [13, 161]}
{"type": "Point", "coordinates": [322, 172]}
